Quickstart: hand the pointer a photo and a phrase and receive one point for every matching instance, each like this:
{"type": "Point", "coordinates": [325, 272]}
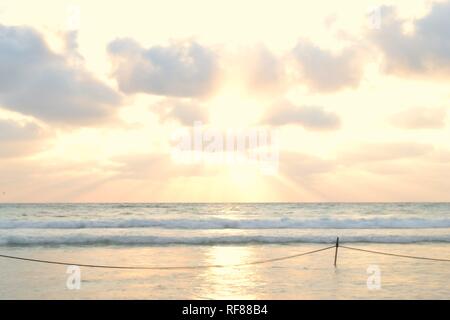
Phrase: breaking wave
{"type": "Point", "coordinates": [77, 240]}
{"type": "Point", "coordinates": [218, 223]}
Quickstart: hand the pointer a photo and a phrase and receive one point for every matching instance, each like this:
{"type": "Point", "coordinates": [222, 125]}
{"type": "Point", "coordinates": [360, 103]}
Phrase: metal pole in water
{"type": "Point", "coordinates": [336, 252]}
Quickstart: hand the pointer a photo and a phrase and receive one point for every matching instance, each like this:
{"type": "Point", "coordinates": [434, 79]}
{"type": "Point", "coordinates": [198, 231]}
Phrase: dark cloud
{"type": "Point", "coordinates": [37, 82]}
{"type": "Point", "coordinates": [310, 117]}
{"type": "Point", "coordinates": [425, 51]}
{"type": "Point", "coordinates": [323, 70]}
{"type": "Point", "coordinates": [183, 69]}
{"type": "Point", "coordinates": [420, 118]}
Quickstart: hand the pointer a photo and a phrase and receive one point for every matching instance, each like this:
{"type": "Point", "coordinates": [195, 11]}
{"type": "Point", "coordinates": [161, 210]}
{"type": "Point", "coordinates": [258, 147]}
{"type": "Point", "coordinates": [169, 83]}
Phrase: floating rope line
{"type": "Point", "coordinates": [395, 254]}
{"type": "Point", "coordinates": [169, 267]}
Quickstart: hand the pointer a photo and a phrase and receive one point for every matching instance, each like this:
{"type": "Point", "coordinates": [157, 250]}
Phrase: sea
{"type": "Point", "coordinates": [224, 251]}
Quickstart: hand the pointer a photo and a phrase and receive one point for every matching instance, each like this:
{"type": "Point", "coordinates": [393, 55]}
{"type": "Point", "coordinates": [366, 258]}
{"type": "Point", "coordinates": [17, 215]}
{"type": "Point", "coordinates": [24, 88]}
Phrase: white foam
{"type": "Point", "coordinates": [219, 223]}
{"type": "Point", "coordinates": [24, 240]}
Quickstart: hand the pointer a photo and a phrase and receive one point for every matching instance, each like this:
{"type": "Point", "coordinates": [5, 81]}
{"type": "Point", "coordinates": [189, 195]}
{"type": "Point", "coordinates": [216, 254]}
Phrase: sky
{"type": "Point", "coordinates": [138, 101]}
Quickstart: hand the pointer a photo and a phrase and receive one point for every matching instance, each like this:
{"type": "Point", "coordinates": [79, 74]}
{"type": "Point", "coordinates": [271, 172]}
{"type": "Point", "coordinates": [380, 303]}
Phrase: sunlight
{"type": "Point", "coordinates": [229, 282]}
{"type": "Point", "coordinates": [234, 109]}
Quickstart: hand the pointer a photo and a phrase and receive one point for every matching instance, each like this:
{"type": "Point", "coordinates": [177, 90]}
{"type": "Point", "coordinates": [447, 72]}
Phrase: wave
{"type": "Point", "coordinates": [219, 223]}
{"type": "Point", "coordinates": [77, 240]}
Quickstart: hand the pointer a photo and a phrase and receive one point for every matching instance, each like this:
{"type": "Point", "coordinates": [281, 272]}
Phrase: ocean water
{"type": "Point", "coordinates": [179, 234]}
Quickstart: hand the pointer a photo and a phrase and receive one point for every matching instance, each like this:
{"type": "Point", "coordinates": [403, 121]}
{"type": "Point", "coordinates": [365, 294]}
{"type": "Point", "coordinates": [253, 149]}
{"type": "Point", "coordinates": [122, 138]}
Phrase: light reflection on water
{"type": "Point", "coordinates": [306, 277]}
{"type": "Point", "coordinates": [227, 283]}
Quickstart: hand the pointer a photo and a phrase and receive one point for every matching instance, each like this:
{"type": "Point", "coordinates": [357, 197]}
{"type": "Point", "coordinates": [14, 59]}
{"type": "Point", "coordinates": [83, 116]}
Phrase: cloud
{"type": "Point", "coordinates": [313, 118]}
{"type": "Point", "coordinates": [425, 51]}
{"type": "Point", "coordinates": [182, 69]}
{"type": "Point", "coordinates": [326, 71]}
{"type": "Point", "coordinates": [49, 180]}
{"type": "Point", "coordinates": [184, 111]}
{"type": "Point", "coordinates": [37, 82]}
{"type": "Point", "coordinates": [298, 165]}
{"type": "Point", "coordinates": [262, 71]}
{"type": "Point", "coordinates": [420, 118]}
{"type": "Point", "coordinates": [308, 173]}
{"type": "Point", "coordinates": [388, 151]}
{"type": "Point", "coordinates": [19, 139]}
{"type": "Point", "coordinates": [157, 166]}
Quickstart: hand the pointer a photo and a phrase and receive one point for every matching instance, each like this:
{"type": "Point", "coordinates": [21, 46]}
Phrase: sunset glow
{"type": "Point", "coordinates": [91, 94]}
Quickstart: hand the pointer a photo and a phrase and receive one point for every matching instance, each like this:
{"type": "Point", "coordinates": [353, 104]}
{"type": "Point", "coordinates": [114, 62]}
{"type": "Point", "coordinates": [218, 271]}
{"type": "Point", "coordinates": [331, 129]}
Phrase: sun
{"type": "Point", "coordinates": [233, 108]}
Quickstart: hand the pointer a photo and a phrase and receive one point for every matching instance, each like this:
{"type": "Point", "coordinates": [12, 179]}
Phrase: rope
{"type": "Point", "coordinates": [394, 254]}
{"type": "Point", "coordinates": [219, 265]}
{"type": "Point", "coordinates": [166, 268]}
